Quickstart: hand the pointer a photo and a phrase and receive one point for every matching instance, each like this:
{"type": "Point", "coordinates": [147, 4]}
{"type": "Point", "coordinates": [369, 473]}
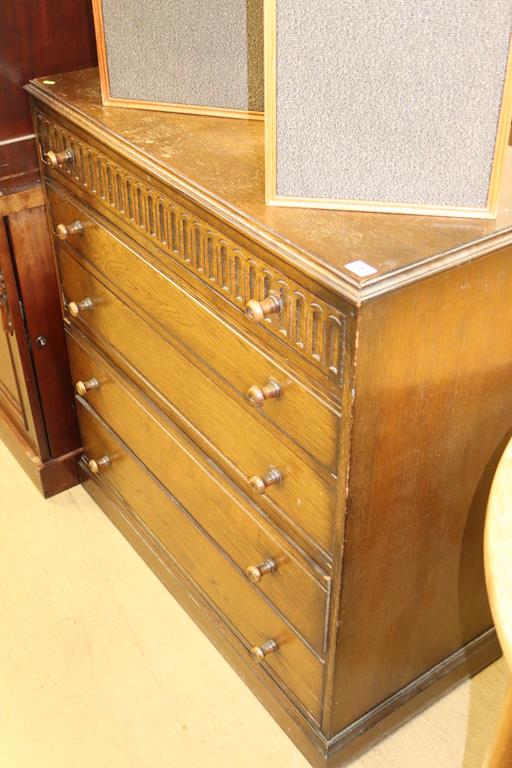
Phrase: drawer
{"type": "Point", "coordinates": [225, 586]}
{"type": "Point", "coordinates": [313, 327]}
{"type": "Point", "coordinates": [299, 590]}
{"type": "Point", "coordinates": [303, 497]}
{"type": "Point", "coordinates": [307, 419]}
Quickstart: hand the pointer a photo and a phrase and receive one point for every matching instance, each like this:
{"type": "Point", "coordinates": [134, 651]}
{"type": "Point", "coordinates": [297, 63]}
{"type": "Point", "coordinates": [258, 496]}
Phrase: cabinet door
{"type": "Point", "coordinates": [16, 371]}
{"type": "Point", "coordinates": [32, 255]}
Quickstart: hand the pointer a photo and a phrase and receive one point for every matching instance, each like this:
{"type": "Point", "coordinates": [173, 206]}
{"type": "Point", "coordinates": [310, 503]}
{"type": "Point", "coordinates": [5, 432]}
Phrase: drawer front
{"type": "Point", "coordinates": [297, 412]}
{"type": "Point", "coordinates": [311, 328]}
{"type": "Point", "coordinates": [302, 497]}
{"type": "Point", "coordinates": [244, 608]}
{"type": "Point", "coordinates": [295, 590]}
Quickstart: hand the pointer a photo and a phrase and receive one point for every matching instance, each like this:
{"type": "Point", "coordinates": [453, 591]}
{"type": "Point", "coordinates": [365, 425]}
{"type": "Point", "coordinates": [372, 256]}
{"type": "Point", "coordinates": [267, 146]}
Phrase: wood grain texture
{"type": "Point", "coordinates": [196, 481]}
{"type": "Point", "coordinates": [200, 332]}
{"type": "Point", "coordinates": [319, 751]}
{"type": "Point", "coordinates": [32, 197]}
{"type": "Point", "coordinates": [39, 39]}
{"type": "Point", "coordinates": [431, 416]}
{"type": "Point", "coordinates": [304, 497]}
{"type": "Point", "coordinates": [17, 376]}
{"type": "Point", "coordinates": [229, 644]}
{"type": "Point", "coordinates": [422, 365]}
{"type": "Point", "coordinates": [179, 535]}
{"type": "Point", "coordinates": [36, 39]}
{"type": "Point", "coordinates": [35, 390]}
{"type": "Point", "coordinates": [196, 155]}
{"type": "Point", "coordinates": [18, 165]}
{"type": "Point", "coordinates": [50, 477]}
{"type": "Point", "coordinates": [28, 230]}
{"type": "Point", "coordinates": [168, 225]}
{"type": "Point", "coordinates": [299, 591]}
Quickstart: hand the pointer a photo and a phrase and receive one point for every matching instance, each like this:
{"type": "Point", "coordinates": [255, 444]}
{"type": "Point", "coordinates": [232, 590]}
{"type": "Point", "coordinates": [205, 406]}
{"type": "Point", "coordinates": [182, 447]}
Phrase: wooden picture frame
{"type": "Point", "coordinates": [198, 109]}
{"type": "Point", "coordinates": [273, 197]}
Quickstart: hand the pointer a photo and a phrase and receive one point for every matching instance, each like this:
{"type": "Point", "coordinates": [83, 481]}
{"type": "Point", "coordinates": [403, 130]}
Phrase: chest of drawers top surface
{"type": "Point", "coordinates": [219, 164]}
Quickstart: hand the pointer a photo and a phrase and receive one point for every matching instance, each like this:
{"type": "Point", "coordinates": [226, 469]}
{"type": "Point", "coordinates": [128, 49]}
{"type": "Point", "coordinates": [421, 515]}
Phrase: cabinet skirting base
{"type": "Point", "coordinates": [320, 751]}
{"type": "Point", "coordinates": [50, 477]}
{"type": "Point", "coordinates": [413, 698]}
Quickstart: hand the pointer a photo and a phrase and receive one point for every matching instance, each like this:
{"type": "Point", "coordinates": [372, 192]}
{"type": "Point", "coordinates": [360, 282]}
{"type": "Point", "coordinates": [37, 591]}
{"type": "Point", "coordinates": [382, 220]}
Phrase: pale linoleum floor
{"type": "Point", "coordinates": [100, 667]}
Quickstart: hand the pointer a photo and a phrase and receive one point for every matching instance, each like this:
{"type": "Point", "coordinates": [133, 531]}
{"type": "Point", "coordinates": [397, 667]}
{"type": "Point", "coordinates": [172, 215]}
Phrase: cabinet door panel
{"type": "Point", "coordinates": [32, 253]}
{"type": "Point", "coordinates": [15, 377]}
{"type": "Point", "coordinates": [10, 394]}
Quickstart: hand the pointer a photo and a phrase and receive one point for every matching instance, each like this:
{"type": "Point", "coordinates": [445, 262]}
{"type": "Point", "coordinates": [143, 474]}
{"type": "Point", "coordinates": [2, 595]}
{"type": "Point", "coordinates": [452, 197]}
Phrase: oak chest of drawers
{"type": "Point", "coordinates": [302, 454]}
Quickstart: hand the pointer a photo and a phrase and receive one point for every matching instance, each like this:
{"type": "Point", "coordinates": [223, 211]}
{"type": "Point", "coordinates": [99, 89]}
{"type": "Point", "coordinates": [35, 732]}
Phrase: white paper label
{"type": "Point", "coordinates": [360, 268]}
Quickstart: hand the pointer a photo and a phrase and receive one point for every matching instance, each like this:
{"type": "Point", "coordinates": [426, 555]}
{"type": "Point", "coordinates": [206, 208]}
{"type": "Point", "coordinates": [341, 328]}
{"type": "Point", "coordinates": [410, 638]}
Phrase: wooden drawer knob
{"type": "Point", "coordinates": [259, 484]}
{"type": "Point", "coordinates": [258, 395]}
{"type": "Point", "coordinates": [96, 465]}
{"type": "Point", "coordinates": [74, 308]}
{"type": "Point", "coordinates": [64, 231]}
{"type": "Point", "coordinates": [54, 159]}
{"type": "Point", "coordinates": [82, 387]}
{"type": "Point", "coordinates": [258, 652]}
{"type": "Point", "coordinates": [256, 311]}
{"type": "Point", "coordinates": [255, 573]}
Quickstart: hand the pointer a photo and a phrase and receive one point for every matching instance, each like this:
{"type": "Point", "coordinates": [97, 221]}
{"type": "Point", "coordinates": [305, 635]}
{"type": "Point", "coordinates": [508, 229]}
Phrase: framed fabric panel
{"type": "Point", "coordinates": [182, 55]}
{"type": "Point", "coordinates": [388, 105]}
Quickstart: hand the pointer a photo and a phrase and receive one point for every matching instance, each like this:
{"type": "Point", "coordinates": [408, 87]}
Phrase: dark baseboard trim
{"type": "Point", "coordinates": [49, 477]}
{"type": "Point", "coordinates": [60, 474]}
{"type": "Point", "coordinates": [414, 697]}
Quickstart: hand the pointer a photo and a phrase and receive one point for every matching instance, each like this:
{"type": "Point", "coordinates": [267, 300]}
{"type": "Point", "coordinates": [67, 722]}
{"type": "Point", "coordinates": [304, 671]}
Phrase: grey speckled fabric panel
{"type": "Point", "coordinates": [195, 52]}
{"type": "Point", "coordinates": [390, 100]}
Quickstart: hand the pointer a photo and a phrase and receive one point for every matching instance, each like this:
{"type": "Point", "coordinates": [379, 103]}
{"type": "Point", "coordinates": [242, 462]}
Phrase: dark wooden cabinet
{"type": "Point", "coordinates": [37, 419]}
{"type": "Point", "coordinates": [37, 37]}
{"type": "Point", "coordinates": [293, 415]}
{"type": "Point", "coordinates": [37, 416]}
